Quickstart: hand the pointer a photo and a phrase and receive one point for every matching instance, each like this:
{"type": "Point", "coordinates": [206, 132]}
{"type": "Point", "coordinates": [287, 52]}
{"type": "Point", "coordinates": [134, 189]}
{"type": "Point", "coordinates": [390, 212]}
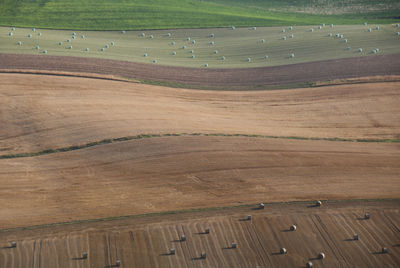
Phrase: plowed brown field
{"type": "Point", "coordinates": [145, 241]}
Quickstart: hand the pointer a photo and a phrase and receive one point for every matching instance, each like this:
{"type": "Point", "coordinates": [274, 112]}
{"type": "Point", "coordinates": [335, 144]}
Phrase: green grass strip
{"type": "Point", "coordinates": [147, 136]}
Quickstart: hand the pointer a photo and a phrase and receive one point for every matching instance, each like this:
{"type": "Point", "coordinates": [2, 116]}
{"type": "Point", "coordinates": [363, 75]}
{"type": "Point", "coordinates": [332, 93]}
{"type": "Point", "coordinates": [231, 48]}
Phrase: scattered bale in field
{"type": "Point", "coordinates": [102, 49]}
{"type": "Point", "coordinates": [377, 28]}
{"type": "Point", "coordinates": [173, 53]}
{"type": "Point", "coordinates": [309, 265]}
{"type": "Point", "coordinates": [212, 35]}
{"type": "Point", "coordinates": [193, 42]}
{"type": "Point", "coordinates": [311, 30]}
{"type": "Point", "coordinates": [337, 35]}
{"type": "Point", "coordinates": [374, 51]}
{"type": "Point", "coordinates": [191, 51]}
{"type": "Point", "coordinates": [83, 36]}
{"type": "Point", "coordinates": [291, 55]}
{"type": "Point", "coordinates": [248, 59]}
{"type": "Point", "coordinates": [321, 255]}
{"type": "Point", "coordinates": [323, 24]}
{"type": "Point", "coordinates": [330, 34]}
{"type": "Point", "coordinates": [151, 36]}
{"type": "Point", "coordinates": [39, 34]}
{"type": "Point", "coordinates": [283, 251]}
{"type": "Point", "coordinates": [172, 251]}
{"type": "Point", "coordinates": [360, 50]}
{"type": "Point", "coordinates": [169, 34]}
{"type": "Point", "coordinates": [10, 34]}
{"type": "Point", "coordinates": [145, 55]}
{"type": "Point", "coordinates": [37, 47]}
{"type": "Point", "coordinates": [173, 43]}
{"type": "Point", "coordinates": [19, 43]}
{"type": "Point", "coordinates": [29, 35]}
{"type": "Point", "coordinates": [233, 27]}
{"type": "Point", "coordinates": [261, 206]}
{"type": "Point", "coordinates": [369, 30]}
{"type": "Point", "coordinates": [187, 38]}
{"type": "Point", "coordinates": [319, 27]}
{"type": "Point", "coordinates": [123, 32]}
{"type": "Point", "coordinates": [212, 43]}
{"type": "Point", "coordinates": [193, 56]}
{"type": "Point", "coordinates": [13, 29]}
{"type": "Point", "coordinates": [13, 244]}
{"type": "Point", "coordinates": [283, 37]}
{"type": "Point", "coordinates": [397, 33]}
{"type": "Point", "coordinates": [377, 49]}
{"type": "Point", "coordinates": [262, 41]}
{"type": "Point", "coordinates": [118, 263]}
{"type": "Point", "coordinates": [397, 25]}
{"type": "Point", "coordinates": [331, 25]}
{"type": "Point", "coordinates": [207, 231]}
{"type": "Point", "coordinates": [73, 34]}
{"type": "Point", "coordinates": [223, 58]}
{"type": "Point", "coordinates": [249, 217]}
{"type": "Point", "coordinates": [341, 36]}
{"type": "Point", "coordinates": [143, 35]}
{"type": "Point", "coordinates": [266, 57]}
{"type": "Point", "coordinates": [318, 203]}
{"type": "Point", "coordinates": [291, 36]}
{"type": "Point", "coordinates": [365, 24]}
{"type": "Point", "coordinates": [70, 47]}
{"type": "Point", "coordinates": [385, 250]}
{"type": "Point", "coordinates": [283, 30]}
{"type": "Point", "coordinates": [154, 61]}
{"type": "Point", "coordinates": [112, 43]}
{"type": "Point", "coordinates": [234, 245]}
{"type": "Point", "coordinates": [290, 27]}
{"type": "Point", "coordinates": [348, 48]}
{"type": "Point", "coordinates": [254, 28]}
{"type": "Point", "coordinates": [73, 37]}
{"type": "Point", "coordinates": [68, 41]}
{"type": "Point", "coordinates": [293, 228]}
{"type": "Point", "coordinates": [345, 40]}
{"type": "Point", "coordinates": [183, 47]}
{"type": "Point", "coordinates": [84, 255]}
{"type": "Point", "coordinates": [106, 46]}
{"type": "Point", "coordinates": [206, 65]}
{"type": "Point", "coordinates": [203, 255]}
{"type": "Point", "coordinates": [367, 216]}
{"type": "Point", "coordinates": [87, 49]}
{"type": "Point", "coordinates": [59, 43]}
{"type": "Point", "coordinates": [183, 237]}
{"type": "Point", "coordinates": [355, 237]}
{"type": "Point", "coordinates": [215, 51]}
{"type": "Point", "coordinates": [33, 30]}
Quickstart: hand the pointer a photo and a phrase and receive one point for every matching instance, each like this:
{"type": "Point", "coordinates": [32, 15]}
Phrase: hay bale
{"type": "Point", "coordinates": [311, 30]}
{"type": "Point", "coordinates": [203, 255]}
{"type": "Point", "coordinates": [283, 251]}
{"type": "Point", "coordinates": [106, 46]}
{"type": "Point", "coordinates": [348, 48]}
{"type": "Point", "coordinates": [293, 227]}
{"type": "Point", "coordinates": [321, 255]}
{"type": "Point", "coordinates": [44, 51]}
{"type": "Point", "coordinates": [249, 216]}
{"type": "Point", "coordinates": [123, 32]}
{"type": "Point", "coordinates": [283, 30]}
{"type": "Point", "coordinates": [19, 43]}
{"type": "Point", "coordinates": [13, 29]}
{"type": "Point", "coordinates": [365, 24]}
{"type": "Point", "coordinates": [102, 49]}
{"type": "Point", "coordinates": [33, 30]}
{"type": "Point", "coordinates": [367, 216]}
{"type": "Point", "coordinates": [174, 53]}
{"type": "Point", "coordinates": [183, 237]}
{"type": "Point", "coordinates": [84, 255]}
{"type": "Point", "coordinates": [73, 37]}
{"type": "Point", "coordinates": [83, 36]}
{"type": "Point", "coordinates": [187, 38]}
{"type": "Point", "coordinates": [173, 43]}
{"type": "Point", "coordinates": [318, 203]}
{"type": "Point", "coordinates": [377, 28]}
{"type": "Point", "coordinates": [193, 56]}
{"type": "Point", "coordinates": [183, 47]}
{"type": "Point", "coordinates": [118, 263]}
{"type": "Point", "coordinates": [169, 34]}
{"type": "Point", "coordinates": [234, 245]}
{"type": "Point", "coordinates": [374, 51]}
{"type": "Point", "coordinates": [337, 35]}
{"type": "Point", "coordinates": [331, 25]}
{"type": "Point", "coordinates": [193, 42]}
{"type": "Point", "coordinates": [309, 265]}
{"type": "Point", "coordinates": [330, 34]}
{"type": "Point", "coordinates": [212, 35]}
{"type": "Point", "coordinates": [10, 34]}
{"type": "Point", "coordinates": [145, 55]}
{"type": "Point", "coordinates": [254, 28]}
{"type": "Point", "coordinates": [291, 36]}
{"type": "Point", "coordinates": [73, 34]}
{"type": "Point", "coordinates": [261, 206]}
{"type": "Point", "coordinates": [37, 47]}
{"type": "Point", "coordinates": [215, 52]}
{"type": "Point", "coordinates": [355, 237]}
{"type": "Point", "coordinates": [87, 49]}
{"type": "Point", "coordinates": [172, 251]}
{"type": "Point", "coordinates": [13, 244]}
{"type": "Point", "coordinates": [39, 34]}
{"type": "Point", "coordinates": [207, 231]}
{"type": "Point", "coordinates": [283, 37]}
{"type": "Point", "coordinates": [233, 27]}
{"type": "Point", "coordinates": [397, 25]}
{"type": "Point", "coordinates": [29, 35]}
{"type": "Point", "coordinates": [112, 44]}
{"type": "Point", "coordinates": [68, 40]}
{"type": "Point", "coordinates": [398, 33]}
{"type": "Point", "coordinates": [319, 27]}
{"type": "Point", "coordinates": [143, 35]}
{"type": "Point", "coordinates": [345, 40]}
{"type": "Point", "coordinates": [70, 47]}
{"type": "Point", "coordinates": [266, 57]}
{"type": "Point", "coordinates": [206, 65]}
{"type": "Point", "coordinates": [323, 24]}
{"type": "Point", "coordinates": [151, 36]}
{"type": "Point", "coordinates": [191, 51]}
{"type": "Point", "coordinates": [341, 36]}
{"type": "Point", "coordinates": [60, 43]}
{"type": "Point", "coordinates": [262, 41]}
{"type": "Point", "coordinates": [154, 61]}
{"type": "Point", "coordinates": [385, 250]}
{"type": "Point", "coordinates": [290, 28]}
{"type": "Point", "coordinates": [249, 60]}
{"type": "Point", "coordinates": [212, 43]}
{"type": "Point", "coordinates": [223, 58]}
{"type": "Point", "coordinates": [369, 30]}
{"type": "Point", "coordinates": [291, 55]}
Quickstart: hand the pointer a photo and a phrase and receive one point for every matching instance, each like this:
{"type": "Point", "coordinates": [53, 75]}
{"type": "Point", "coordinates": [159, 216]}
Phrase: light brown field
{"type": "Point", "coordinates": [145, 241]}
{"type": "Point", "coordinates": [42, 112]}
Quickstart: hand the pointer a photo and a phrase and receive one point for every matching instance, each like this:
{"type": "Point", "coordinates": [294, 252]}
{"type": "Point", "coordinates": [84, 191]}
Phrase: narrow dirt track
{"type": "Point", "coordinates": [39, 112]}
{"type": "Point", "coordinates": [244, 77]}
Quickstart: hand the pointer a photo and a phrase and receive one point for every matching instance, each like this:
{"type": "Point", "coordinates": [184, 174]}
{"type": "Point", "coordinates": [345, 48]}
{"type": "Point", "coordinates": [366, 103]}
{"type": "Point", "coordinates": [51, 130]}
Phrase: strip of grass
{"type": "Point", "coordinates": [186, 211]}
{"type": "Point", "coordinates": [165, 14]}
{"type": "Point", "coordinates": [147, 136]}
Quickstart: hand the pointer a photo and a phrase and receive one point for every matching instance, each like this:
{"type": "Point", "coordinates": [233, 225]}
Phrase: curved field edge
{"type": "Point", "coordinates": [229, 79]}
{"type": "Point", "coordinates": [194, 210]}
{"type": "Point", "coordinates": [148, 136]}
{"type": "Point", "coordinates": [162, 14]}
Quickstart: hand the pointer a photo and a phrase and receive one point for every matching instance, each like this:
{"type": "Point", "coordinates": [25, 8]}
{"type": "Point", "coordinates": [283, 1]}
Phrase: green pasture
{"type": "Point", "coordinates": [235, 45]}
{"type": "Point", "coordinates": [166, 14]}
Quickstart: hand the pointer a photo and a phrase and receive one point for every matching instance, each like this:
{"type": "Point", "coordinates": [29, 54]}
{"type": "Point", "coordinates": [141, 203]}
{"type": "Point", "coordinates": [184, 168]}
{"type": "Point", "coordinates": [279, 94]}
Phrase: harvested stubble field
{"type": "Point", "coordinates": [184, 172]}
{"type": "Point", "coordinates": [145, 241]}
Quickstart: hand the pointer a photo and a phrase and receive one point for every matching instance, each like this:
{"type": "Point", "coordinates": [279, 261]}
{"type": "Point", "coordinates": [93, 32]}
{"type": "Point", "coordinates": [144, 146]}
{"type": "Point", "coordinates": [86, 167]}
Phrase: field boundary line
{"type": "Point", "coordinates": [186, 211]}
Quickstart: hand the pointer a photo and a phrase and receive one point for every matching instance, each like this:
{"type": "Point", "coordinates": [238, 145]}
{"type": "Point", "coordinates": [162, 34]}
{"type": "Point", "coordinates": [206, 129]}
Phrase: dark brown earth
{"type": "Point", "coordinates": [240, 77]}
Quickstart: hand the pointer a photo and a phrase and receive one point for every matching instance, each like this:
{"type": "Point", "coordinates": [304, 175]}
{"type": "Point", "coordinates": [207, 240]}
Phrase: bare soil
{"type": "Point", "coordinates": [226, 78]}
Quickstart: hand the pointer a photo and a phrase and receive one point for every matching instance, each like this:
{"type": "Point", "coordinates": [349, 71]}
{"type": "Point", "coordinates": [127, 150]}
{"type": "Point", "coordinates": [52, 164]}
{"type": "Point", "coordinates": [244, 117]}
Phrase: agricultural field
{"type": "Point", "coordinates": [213, 48]}
{"type": "Point", "coordinates": [146, 241]}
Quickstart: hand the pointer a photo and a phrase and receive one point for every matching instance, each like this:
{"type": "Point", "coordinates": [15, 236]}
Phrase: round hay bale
{"type": "Point", "coordinates": [83, 36]}
{"type": "Point", "coordinates": [323, 24]}
{"type": "Point", "coordinates": [37, 47]}
{"type": "Point", "coordinates": [10, 34]}
{"type": "Point", "coordinates": [154, 61]}
{"type": "Point", "coordinates": [374, 51]}
{"type": "Point", "coordinates": [173, 43]}
{"type": "Point", "coordinates": [19, 43]}
{"type": "Point", "coordinates": [261, 206]}
{"type": "Point", "coordinates": [385, 250]}
{"type": "Point", "coordinates": [223, 58]}
{"type": "Point", "coordinates": [233, 27]}
{"type": "Point", "coordinates": [73, 34]}
{"type": "Point", "coordinates": [293, 227]}
{"type": "Point", "coordinates": [33, 30]}
{"type": "Point", "coordinates": [191, 51]}
{"type": "Point", "coordinates": [291, 36]}
{"type": "Point", "coordinates": [206, 65]}
{"type": "Point", "coordinates": [377, 28]}
{"type": "Point", "coordinates": [234, 245]}
{"type": "Point", "coordinates": [183, 47]}
{"type": "Point", "coordinates": [290, 28]}
{"type": "Point", "coordinates": [106, 46]}
{"type": "Point", "coordinates": [291, 55]}
{"type": "Point", "coordinates": [341, 36]}
{"type": "Point", "coordinates": [266, 57]}
{"type": "Point", "coordinates": [118, 263]}
{"type": "Point", "coordinates": [249, 216]}
{"type": "Point", "coordinates": [283, 37]}
{"type": "Point", "coordinates": [187, 38]}
{"type": "Point", "coordinates": [348, 48]}
{"type": "Point", "coordinates": [212, 43]}
{"type": "Point", "coordinates": [283, 30]}
{"type": "Point", "coordinates": [249, 60]}
{"type": "Point", "coordinates": [330, 34]}
{"type": "Point", "coordinates": [365, 24]}
{"type": "Point", "coordinates": [145, 55]}
{"type": "Point", "coordinates": [318, 203]}
{"type": "Point", "coordinates": [13, 29]}
{"type": "Point", "coordinates": [59, 43]}
{"type": "Point", "coordinates": [151, 36]}
{"type": "Point", "coordinates": [73, 37]}
{"type": "Point", "coordinates": [360, 50]}
{"type": "Point", "coordinates": [112, 43]}
{"type": "Point", "coordinates": [203, 255]}
{"type": "Point", "coordinates": [183, 237]}
{"type": "Point", "coordinates": [87, 49]}
{"type": "Point", "coordinates": [215, 52]}
{"type": "Point", "coordinates": [39, 34]}
{"type": "Point", "coordinates": [102, 49]}
{"type": "Point", "coordinates": [398, 33]}
{"type": "Point", "coordinates": [367, 216]}
{"type": "Point", "coordinates": [68, 41]}
{"type": "Point", "coordinates": [254, 28]}
{"type": "Point", "coordinates": [321, 255]}
{"type": "Point", "coordinates": [70, 47]}
{"type": "Point", "coordinates": [397, 25]}
{"type": "Point", "coordinates": [44, 51]}
{"type": "Point", "coordinates": [13, 244]}
{"type": "Point", "coordinates": [369, 30]}
{"type": "Point", "coordinates": [172, 251]}
{"type": "Point", "coordinates": [337, 35]}
{"type": "Point", "coordinates": [262, 41]}
{"type": "Point", "coordinates": [345, 40]}
{"type": "Point", "coordinates": [309, 265]}
{"type": "Point", "coordinates": [319, 27]}
{"type": "Point", "coordinates": [212, 35]}
{"type": "Point", "coordinates": [355, 237]}
{"type": "Point", "coordinates": [331, 25]}
{"type": "Point", "coordinates": [311, 30]}
{"type": "Point", "coordinates": [169, 34]}
{"type": "Point", "coordinates": [123, 32]}
{"type": "Point", "coordinates": [283, 251]}
{"type": "Point", "coordinates": [29, 35]}
{"type": "Point", "coordinates": [84, 255]}
{"type": "Point", "coordinates": [193, 56]}
{"type": "Point", "coordinates": [207, 231]}
{"type": "Point", "coordinates": [143, 35]}
{"type": "Point", "coordinates": [173, 53]}
{"type": "Point", "coordinates": [193, 42]}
